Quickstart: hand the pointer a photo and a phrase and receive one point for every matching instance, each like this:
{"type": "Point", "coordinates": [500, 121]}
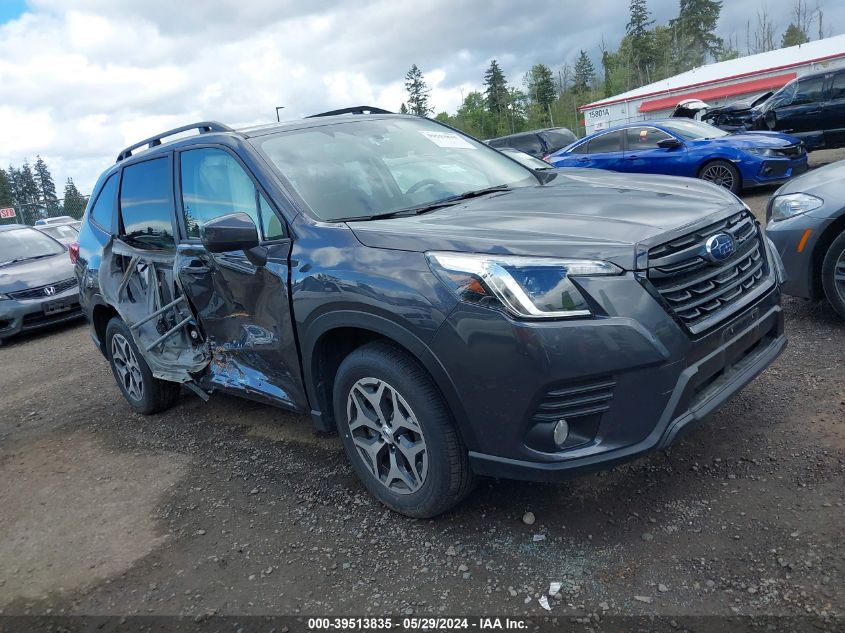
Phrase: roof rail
{"type": "Point", "coordinates": [362, 109]}
{"type": "Point", "coordinates": [203, 126]}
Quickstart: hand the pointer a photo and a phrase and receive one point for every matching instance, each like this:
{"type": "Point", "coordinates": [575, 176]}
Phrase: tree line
{"type": "Point", "coordinates": [648, 52]}
{"type": "Point", "coordinates": [31, 192]}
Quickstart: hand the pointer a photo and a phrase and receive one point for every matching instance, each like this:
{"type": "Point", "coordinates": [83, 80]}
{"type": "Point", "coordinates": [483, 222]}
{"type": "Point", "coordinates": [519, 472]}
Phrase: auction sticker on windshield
{"type": "Point", "coordinates": [446, 139]}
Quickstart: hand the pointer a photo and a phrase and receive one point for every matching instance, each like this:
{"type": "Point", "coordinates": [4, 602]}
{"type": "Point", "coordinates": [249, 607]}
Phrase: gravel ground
{"type": "Point", "coordinates": [231, 507]}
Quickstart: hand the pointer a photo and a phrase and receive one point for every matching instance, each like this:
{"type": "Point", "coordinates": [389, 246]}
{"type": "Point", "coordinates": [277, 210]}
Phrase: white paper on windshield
{"type": "Point", "coordinates": [446, 139]}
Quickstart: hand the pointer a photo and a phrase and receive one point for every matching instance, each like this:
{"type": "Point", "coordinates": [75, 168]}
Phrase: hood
{"type": "Point", "coordinates": [35, 273]}
{"type": "Point", "coordinates": [742, 140]}
{"type": "Point", "coordinates": [824, 182]}
{"type": "Point", "coordinates": [582, 213]}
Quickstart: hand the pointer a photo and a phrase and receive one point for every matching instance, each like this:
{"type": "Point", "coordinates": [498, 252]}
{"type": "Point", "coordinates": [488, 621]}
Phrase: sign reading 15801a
{"type": "Point", "coordinates": [598, 113]}
{"type": "Point", "coordinates": [7, 213]}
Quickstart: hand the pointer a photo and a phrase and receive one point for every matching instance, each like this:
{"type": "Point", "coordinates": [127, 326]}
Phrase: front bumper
{"type": "Point", "coordinates": [646, 379]}
{"type": "Point", "coordinates": [26, 315]}
{"type": "Point", "coordinates": [788, 236]}
{"type": "Point", "coordinates": [773, 170]}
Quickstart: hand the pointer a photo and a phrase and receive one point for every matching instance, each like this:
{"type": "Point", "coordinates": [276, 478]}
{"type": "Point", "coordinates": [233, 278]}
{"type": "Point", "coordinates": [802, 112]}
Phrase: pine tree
{"type": "Point", "coordinates": [497, 98]}
{"type": "Point", "coordinates": [641, 40]}
{"type": "Point", "coordinates": [46, 186]}
{"type": "Point", "coordinates": [695, 27]}
{"type": "Point", "coordinates": [403, 109]}
{"type": "Point", "coordinates": [28, 194]}
{"type": "Point", "coordinates": [6, 199]}
{"type": "Point", "coordinates": [418, 92]}
{"type": "Point", "coordinates": [74, 202]}
{"type": "Point", "coordinates": [585, 74]}
{"type": "Point", "coordinates": [14, 177]}
{"type": "Point", "coordinates": [794, 36]}
{"type": "Point", "coordinates": [542, 92]}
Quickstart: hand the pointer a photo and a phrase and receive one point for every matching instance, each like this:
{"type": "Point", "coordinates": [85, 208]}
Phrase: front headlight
{"type": "Point", "coordinates": [792, 204]}
{"type": "Point", "coordinates": [764, 151]}
{"type": "Point", "coordinates": [526, 287]}
{"type": "Point", "coordinates": [2, 296]}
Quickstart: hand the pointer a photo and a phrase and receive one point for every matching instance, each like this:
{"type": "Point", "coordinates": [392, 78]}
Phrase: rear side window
{"type": "Point", "coordinates": [145, 204]}
{"type": "Point", "coordinates": [610, 142]}
{"type": "Point", "coordinates": [214, 184]}
{"type": "Point", "coordinates": [103, 210]}
{"type": "Point", "coordinates": [528, 143]}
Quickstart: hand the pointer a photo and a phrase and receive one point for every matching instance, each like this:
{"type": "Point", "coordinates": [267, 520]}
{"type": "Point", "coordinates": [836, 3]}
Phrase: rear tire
{"type": "Point", "coordinates": [722, 173]}
{"type": "Point", "coordinates": [398, 432]}
{"type": "Point", "coordinates": [833, 274]}
{"type": "Point", "coordinates": [144, 393]}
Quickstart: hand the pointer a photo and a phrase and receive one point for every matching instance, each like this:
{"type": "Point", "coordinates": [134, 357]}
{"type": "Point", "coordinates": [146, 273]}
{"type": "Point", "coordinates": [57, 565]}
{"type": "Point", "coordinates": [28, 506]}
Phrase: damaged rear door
{"type": "Point", "coordinates": [243, 308]}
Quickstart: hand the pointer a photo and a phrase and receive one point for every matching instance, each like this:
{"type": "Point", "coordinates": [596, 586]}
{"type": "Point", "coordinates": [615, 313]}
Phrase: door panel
{"type": "Point", "coordinates": [244, 312]}
{"type": "Point", "coordinates": [643, 156]}
{"type": "Point", "coordinates": [801, 108]}
{"type": "Point", "coordinates": [833, 112]}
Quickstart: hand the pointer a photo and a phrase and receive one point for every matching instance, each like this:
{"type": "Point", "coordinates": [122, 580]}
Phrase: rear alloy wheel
{"type": "Point", "coordinates": [398, 432]}
{"type": "Point", "coordinates": [833, 275]}
{"type": "Point", "coordinates": [722, 173]}
{"type": "Point", "coordinates": [144, 393]}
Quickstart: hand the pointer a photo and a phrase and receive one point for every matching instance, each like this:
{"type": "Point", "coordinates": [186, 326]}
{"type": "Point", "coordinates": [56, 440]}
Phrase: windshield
{"type": "Point", "coordinates": [20, 244]}
{"type": "Point", "coordinates": [368, 167]}
{"type": "Point", "coordinates": [693, 130]}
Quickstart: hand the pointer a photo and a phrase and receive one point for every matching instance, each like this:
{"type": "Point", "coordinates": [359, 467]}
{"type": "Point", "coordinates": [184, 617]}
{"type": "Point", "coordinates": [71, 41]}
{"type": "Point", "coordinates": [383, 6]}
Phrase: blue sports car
{"type": "Point", "coordinates": [683, 147]}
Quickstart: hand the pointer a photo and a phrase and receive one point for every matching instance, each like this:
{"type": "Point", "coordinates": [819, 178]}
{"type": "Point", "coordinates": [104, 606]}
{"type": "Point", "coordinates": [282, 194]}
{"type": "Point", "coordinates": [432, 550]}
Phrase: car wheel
{"type": "Point", "coordinates": [144, 393]}
{"type": "Point", "coordinates": [398, 432]}
{"type": "Point", "coordinates": [833, 274]}
{"type": "Point", "coordinates": [722, 173]}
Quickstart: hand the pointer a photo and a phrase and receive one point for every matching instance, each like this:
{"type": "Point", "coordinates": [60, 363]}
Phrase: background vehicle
{"type": "Point", "coordinates": [37, 283]}
{"type": "Point", "coordinates": [736, 116]}
{"type": "Point", "coordinates": [59, 219]}
{"type": "Point", "coordinates": [536, 143]}
{"type": "Point", "coordinates": [682, 147]}
{"type": "Point", "coordinates": [525, 159]}
{"type": "Point", "coordinates": [811, 108]}
{"type": "Point", "coordinates": [64, 233]}
{"type": "Point", "coordinates": [448, 311]}
{"type": "Point", "coordinates": [807, 225]}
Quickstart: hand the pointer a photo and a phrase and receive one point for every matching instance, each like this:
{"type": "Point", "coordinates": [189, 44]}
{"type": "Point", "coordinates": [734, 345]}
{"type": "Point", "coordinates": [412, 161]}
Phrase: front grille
{"type": "Point", "coordinates": [575, 401]}
{"type": "Point", "coordinates": [697, 290]}
{"type": "Point", "coordinates": [43, 291]}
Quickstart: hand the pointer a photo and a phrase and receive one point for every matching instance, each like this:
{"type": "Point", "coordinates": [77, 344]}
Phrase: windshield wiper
{"type": "Point", "coordinates": [24, 259]}
{"type": "Point", "coordinates": [428, 206]}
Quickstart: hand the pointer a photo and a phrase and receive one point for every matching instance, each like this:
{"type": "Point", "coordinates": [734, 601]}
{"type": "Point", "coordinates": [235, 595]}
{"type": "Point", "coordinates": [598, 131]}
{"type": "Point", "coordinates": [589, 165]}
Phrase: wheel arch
{"type": "Point", "coordinates": [101, 314]}
{"type": "Point", "coordinates": [335, 335]}
{"type": "Point", "coordinates": [830, 233]}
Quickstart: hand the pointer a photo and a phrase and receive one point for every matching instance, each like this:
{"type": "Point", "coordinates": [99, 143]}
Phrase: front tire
{"type": "Point", "coordinates": [398, 432]}
{"type": "Point", "coordinates": [722, 173]}
{"type": "Point", "coordinates": [833, 274]}
{"type": "Point", "coordinates": [144, 393]}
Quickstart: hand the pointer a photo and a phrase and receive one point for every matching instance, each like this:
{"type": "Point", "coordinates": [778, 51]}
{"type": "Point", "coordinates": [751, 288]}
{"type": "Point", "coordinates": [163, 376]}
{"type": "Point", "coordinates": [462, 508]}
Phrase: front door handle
{"type": "Point", "coordinates": [196, 267]}
{"type": "Point", "coordinates": [632, 157]}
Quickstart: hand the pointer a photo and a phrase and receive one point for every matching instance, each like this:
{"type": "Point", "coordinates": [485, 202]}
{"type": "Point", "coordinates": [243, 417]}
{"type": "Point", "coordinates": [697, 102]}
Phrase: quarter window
{"type": "Point", "coordinates": [103, 210]}
{"type": "Point", "coordinates": [213, 185]}
{"type": "Point", "coordinates": [145, 204]}
{"type": "Point", "coordinates": [837, 88]}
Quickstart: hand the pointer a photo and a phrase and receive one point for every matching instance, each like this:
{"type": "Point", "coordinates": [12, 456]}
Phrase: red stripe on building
{"type": "Point", "coordinates": [742, 88]}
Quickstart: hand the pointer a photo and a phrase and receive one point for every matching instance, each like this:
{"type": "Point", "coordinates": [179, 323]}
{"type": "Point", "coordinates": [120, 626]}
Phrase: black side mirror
{"type": "Point", "coordinates": [234, 232]}
{"type": "Point", "coordinates": [669, 143]}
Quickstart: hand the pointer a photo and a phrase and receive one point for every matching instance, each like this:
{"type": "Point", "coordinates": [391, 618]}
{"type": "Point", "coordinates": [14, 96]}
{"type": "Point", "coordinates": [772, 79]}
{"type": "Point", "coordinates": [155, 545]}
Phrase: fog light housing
{"type": "Point", "coordinates": [561, 432]}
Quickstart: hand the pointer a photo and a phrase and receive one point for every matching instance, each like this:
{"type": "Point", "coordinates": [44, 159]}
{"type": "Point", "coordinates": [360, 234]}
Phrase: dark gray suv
{"type": "Point", "coordinates": [449, 312]}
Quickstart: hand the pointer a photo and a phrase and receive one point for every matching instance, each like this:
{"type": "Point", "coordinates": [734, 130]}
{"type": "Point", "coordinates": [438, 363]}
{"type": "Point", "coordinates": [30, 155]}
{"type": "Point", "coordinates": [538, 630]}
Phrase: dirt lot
{"type": "Point", "coordinates": [236, 508]}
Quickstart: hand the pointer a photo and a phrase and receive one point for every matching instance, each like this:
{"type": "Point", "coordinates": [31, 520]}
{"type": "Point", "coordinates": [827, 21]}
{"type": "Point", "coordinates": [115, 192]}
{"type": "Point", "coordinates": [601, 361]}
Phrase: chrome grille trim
{"type": "Point", "coordinates": [39, 293]}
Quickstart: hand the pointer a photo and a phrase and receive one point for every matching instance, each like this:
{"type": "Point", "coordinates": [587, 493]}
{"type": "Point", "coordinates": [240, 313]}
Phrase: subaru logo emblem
{"type": "Point", "coordinates": [50, 291]}
{"type": "Point", "coordinates": [720, 247]}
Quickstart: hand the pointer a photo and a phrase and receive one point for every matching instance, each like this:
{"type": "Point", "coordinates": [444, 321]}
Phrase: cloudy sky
{"type": "Point", "coordinates": [81, 79]}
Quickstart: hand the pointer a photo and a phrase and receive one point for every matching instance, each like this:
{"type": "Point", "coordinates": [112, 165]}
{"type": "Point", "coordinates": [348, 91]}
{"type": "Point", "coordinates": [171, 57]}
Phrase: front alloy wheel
{"type": "Point", "coordinates": [387, 435]}
{"type": "Point", "coordinates": [721, 173]}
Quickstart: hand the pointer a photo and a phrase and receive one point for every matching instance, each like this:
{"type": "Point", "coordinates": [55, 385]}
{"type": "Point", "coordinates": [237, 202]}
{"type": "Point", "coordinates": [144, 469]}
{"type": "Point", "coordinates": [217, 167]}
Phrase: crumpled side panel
{"type": "Point", "coordinates": [138, 283]}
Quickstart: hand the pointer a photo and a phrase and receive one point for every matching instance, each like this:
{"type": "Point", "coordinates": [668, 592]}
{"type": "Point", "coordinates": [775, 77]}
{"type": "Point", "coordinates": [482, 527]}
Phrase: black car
{"type": "Point", "coordinates": [448, 311]}
{"type": "Point", "coordinates": [537, 143]}
{"type": "Point", "coordinates": [37, 282]}
{"type": "Point", "coordinates": [810, 107]}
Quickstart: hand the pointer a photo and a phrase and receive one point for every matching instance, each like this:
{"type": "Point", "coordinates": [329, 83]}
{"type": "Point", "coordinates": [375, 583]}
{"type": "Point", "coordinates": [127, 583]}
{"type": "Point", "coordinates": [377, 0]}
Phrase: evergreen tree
{"type": "Point", "coordinates": [472, 116]}
{"type": "Point", "coordinates": [6, 199]}
{"type": "Point", "coordinates": [13, 175]}
{"type": "Point", "coordinates": [794, 36]}
{"type": "Point", "coordinates": [403, 109]}
{"type": "Point", "coordinates": [641, 40]}
{"type": "Point", "coordinates": [695, 29]}
{"type": "Point", "coordinates": [46, 186]}
{"type": "Point", "coordinates": [28, 194]}
{"type": "Point", "coordinates": [497, 98]}
{"type": "Point", "coordinates": [542, 93]}
{"type": "Point", "coordinates": [74, 202]}
{"type": "Point", "coordinates": [418, 92]}
{"type": "Point", "coordinates": [585, 74]}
